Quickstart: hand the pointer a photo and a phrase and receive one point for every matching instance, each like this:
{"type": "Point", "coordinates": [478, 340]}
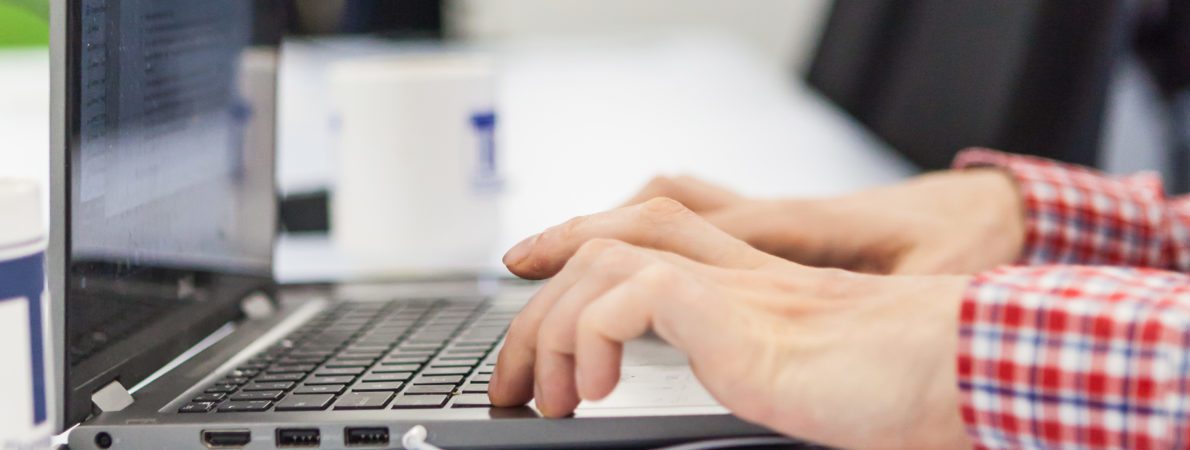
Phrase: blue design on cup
{"type": "Point", "coordinates": [486, 176]}
{"type": "Point", "coordinates": [24, 279]}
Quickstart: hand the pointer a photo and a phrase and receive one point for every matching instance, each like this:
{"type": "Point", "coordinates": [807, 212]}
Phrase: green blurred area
{"type": "Point", "coordinates": [24, 23]}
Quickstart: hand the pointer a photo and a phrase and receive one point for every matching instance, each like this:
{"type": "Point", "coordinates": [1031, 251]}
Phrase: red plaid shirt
{"type": "Point", "coordinates": [1086, 343]}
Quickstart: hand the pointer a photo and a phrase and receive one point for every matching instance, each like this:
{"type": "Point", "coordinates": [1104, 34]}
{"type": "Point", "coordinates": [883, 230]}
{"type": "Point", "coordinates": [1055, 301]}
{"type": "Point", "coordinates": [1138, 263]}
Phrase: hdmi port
{"type": "Point", "coordinates": [226, 438]}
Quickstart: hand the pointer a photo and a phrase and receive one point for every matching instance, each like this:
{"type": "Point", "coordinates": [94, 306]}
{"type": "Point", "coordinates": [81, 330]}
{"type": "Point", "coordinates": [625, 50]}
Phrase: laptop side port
{"type": "Point", "coordinates": [366, 436]}
{"type": "Point", "coordinates": [298, 437]}
{"type": "Point", "coordinates": [226, 438]}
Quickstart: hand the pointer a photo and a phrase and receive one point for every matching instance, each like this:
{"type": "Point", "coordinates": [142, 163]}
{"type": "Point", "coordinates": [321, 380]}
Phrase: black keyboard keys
{"type": "Point", "coordinates": [316, 402]}
{"type": "Point", "coordinates": [419, 401]}
{"type": "Point", "coordinates": [249, 406]}
{"type": "Point", "coordinates": [364, 400]}
{"type": "Point", "coordinates": [334, 389]}
{"type": "Point", "coordinates": [471, 401]}
{"type": "Point", "coordinates": [430, 389]}
{"type": "Point", "coordinates": [269, 386]}
{"type": "Point", "coordinates": [256, 395]}
{"type": "Point", "coordinates": [196, 407]}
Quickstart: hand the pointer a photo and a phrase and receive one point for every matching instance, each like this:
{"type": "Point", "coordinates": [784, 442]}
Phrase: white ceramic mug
{"type": "Point", "coordinates": [418, 181]}
{"type": "Point", "coordinates": [25, 417]}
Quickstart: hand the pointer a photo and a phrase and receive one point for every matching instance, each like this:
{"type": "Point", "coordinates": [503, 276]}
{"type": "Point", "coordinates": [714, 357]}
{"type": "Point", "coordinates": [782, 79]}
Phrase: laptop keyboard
{"type": "Point", "coordinates": [408, 354]}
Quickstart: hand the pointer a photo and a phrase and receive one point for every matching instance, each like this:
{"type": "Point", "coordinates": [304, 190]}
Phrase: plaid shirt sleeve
{"type": "Point", "coordinates": [1075, 215]}
{"type": "Point", "coordinates": [1086, 355]}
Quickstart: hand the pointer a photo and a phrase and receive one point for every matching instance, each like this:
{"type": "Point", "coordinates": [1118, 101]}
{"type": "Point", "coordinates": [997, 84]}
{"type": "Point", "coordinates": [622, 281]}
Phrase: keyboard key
{"type": "Point", "coordinates": [397, 368]}
{"type": "Point", "coordinates": [328, 372]}
{"type": "Point", "coordinates": [256, 405]}
{"type": "Point", "coordinates": [243, 373]}
{"type": "Point", "coordinates": [345, 379]}
{"type": "Point", "coordinates": [419, 401]}
{"type": "Point", "coordinates": [320, 389]}
{"type": "Point", "coordinates": [400, 352]}
{"type": "Point", "coordinates": [305, 402]}
{"type": "Point", "coordinates": [438, 379]}
{"type": "Point", "coordinates": [447, 371]}
{"type": "Point", "coordinates": [384, 386]}
{"type": "Point", "coordinates": [348, 363]}
{"type": "Point", "coordinates": [269, 386]}
{"type": "Point", "coordinates": [196, 407]}
{"type": "Point", "coordinates": [221, 389]}
{"type": "Point", "coordinates": [467, 362]}
{"type": "Point", "coordinates": [406, 359]}
{"type": "Point", "coordinates": [301, 359]}
{"type": "Point", "coordinates": [209, 398]}
{"type": "Point", "coordinates": [473, 343]}
{"type": "Point", "coordinates": [381, 377]}
{"type": "Point", "coordinates": [415, 347]}
{"type": "Point", "coordinates": [257, 395]}
{"type": "Point", "coordinates": [463, 355]}
{"type": "Point", "coordinates": [481, 378]}
{"type": "Point", "coordinates": [235, 380]}
{"type": "Point", "coordinates": [293, 368]}
{"type": "Point", "coordinates": [471, 401]}
{"type": "Point", "coordinates": [430, 389]}
{"type": "Point", "coordinates": [280, 377]}
{"type": "Point", "coordinates": [475, 388]}
{"type": "Point", "coordinates": [363, 400]}
{"type": "Point", "coordinates": [253, 365]}
{"type": "Point", "coordinates": [361, 353]}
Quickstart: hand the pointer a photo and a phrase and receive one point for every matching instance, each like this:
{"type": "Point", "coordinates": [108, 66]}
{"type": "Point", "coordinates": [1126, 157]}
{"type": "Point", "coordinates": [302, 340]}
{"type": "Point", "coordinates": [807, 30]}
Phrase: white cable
{"type": "Point", "coordinates": [415, 439]}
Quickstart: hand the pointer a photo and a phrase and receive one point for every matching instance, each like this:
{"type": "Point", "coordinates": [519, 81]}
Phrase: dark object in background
{"type": "Point", "coordinates": [1163, 43]}
{"type": "Point", "coordinates": [934, 76]}
{"type": "Point", "coordinates": [306, 213]}
{"type": "Point", "coordinates": [394, 18]}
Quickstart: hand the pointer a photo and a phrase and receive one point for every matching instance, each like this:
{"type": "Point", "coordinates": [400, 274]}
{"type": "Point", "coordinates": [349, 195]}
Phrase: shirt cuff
{"type": "Point", "coordinates": [1075, 215]}
{"type": "Point", "coordinates": [1076, 357]}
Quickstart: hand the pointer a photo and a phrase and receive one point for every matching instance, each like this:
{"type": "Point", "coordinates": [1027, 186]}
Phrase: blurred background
{"type": "Point", "coordinates": [772, 97]}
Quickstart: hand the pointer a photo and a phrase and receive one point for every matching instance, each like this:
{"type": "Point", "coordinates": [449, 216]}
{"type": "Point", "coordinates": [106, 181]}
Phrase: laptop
{"type": "Point", "coordinates": [168, 328]}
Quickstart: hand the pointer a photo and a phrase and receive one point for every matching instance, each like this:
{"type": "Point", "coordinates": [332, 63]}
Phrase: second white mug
{"type": "Point", "coordinates": [418, 177]}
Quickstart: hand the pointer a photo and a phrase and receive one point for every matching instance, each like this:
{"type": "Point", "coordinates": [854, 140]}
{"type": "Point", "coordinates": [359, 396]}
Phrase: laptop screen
{"type": "Point", "coordinates": [169, 162]}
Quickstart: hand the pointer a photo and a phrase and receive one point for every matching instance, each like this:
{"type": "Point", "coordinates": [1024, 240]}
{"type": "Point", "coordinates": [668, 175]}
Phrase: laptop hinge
{"type": "Point", "coordinates": [113, 397]}
{"type": "Point", "coordinates": [257, 306]}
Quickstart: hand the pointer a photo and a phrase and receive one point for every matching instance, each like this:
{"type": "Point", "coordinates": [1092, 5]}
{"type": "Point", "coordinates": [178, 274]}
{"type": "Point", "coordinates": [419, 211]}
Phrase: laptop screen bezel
{"type": "Point", "coordinates": [156, 345]}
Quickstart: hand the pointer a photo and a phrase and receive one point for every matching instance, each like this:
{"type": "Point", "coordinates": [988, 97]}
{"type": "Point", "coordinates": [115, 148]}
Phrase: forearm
{"type": "Point", "coordinates": [1076, 356]}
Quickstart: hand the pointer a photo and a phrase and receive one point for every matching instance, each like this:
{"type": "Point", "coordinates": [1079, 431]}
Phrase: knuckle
{"type": "Point", "coordinates": [657, 275]}
{"type": "Point", "coordinates": [566, 231]}
{"type": "Point", "coordinates": [659, 184]}
{"type": "Point", "coordinates": [596, 250]}
{"type": "Point", "coordinates": [663, 209]}
{"type": "Point", "coordinates": [834, 283]}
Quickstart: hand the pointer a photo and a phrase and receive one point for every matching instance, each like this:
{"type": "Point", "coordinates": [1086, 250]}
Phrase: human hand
{"type": "Point", "coordinates": [836, 357]}
{"type": "Point", "coordinates": [956, 222]}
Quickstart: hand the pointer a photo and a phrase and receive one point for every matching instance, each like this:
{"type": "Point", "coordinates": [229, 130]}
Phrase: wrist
{"type": "Point", "coordinates": [940, 424]}
{"type": "Point", "coordinates": [998, 212]}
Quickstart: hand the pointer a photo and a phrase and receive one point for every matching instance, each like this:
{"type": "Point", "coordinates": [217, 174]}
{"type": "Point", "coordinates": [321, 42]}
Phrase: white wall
{"type": "Point", "coordinates": [785, 30]}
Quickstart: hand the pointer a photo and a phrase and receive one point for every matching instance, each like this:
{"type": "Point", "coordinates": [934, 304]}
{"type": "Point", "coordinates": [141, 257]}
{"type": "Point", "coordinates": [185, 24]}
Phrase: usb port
{"type": "Point", "coordinates": [226, 438]}
{"type": "Point", "coordinates": [300, 437]}
{"type": "Point", "coordinates": [366, 436]}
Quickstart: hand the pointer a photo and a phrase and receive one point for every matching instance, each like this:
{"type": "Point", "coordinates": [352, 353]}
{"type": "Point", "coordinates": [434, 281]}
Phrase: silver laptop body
{"type": "Point", "coordinates": [169, 330]}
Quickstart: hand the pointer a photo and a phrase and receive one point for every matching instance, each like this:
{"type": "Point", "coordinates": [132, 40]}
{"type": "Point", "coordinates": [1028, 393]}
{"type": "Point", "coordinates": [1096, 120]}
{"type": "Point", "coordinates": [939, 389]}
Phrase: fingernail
{"type": "Point", "coordinates": [521, 250]}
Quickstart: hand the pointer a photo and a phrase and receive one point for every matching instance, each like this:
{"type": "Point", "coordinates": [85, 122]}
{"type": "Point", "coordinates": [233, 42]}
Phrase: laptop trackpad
{"type": "Point", "coordinates": [655, 379]}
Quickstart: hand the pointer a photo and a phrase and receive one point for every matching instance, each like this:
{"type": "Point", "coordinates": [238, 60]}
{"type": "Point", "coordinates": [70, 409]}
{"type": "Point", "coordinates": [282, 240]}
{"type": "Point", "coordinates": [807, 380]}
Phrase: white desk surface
{"type": "Point", "coordinates": [584, 123]}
